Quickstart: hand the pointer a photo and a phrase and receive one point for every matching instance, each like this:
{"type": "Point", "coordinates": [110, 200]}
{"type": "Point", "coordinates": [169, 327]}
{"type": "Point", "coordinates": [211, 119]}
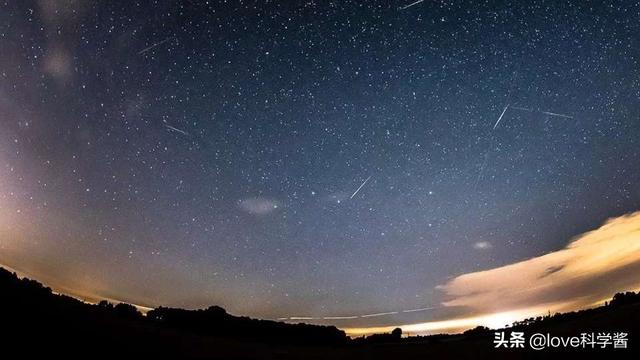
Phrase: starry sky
{"type": "Point", "coordinates": [309, 158]}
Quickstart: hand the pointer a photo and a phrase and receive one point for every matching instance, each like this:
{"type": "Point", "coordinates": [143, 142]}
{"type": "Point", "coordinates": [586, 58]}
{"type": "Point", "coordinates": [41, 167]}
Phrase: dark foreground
{"type": "Point", "coordinates": [37, 322]}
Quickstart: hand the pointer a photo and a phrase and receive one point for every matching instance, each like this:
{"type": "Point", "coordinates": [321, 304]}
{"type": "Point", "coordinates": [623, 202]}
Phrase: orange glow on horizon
{"type": "Point", "coordinates": [585, 273]}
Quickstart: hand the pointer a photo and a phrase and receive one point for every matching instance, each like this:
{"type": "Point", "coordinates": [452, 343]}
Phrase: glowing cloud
{"type": "Point", "coordinates": [258, 205]}
{"type": "Point", "coordinates": [482, 245]}
{"type": "Point", "coordinates": [589, 269]}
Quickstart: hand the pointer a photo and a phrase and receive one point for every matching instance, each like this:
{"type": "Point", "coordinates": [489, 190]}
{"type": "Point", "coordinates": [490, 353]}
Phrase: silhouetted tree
{"type": "Point", "coordinates": [477, 330]}
{"type": "Point", "coordinates": [127, 311]}
{"type": "Point", "coordinates": [104, 304]}
{"type": "Point", "coordinates": [625, 298]}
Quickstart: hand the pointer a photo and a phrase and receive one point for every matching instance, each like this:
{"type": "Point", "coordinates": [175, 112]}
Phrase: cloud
{"type": "Point", "coordinates": [258, 205]}
{"type": "Point", "coordinates": [58, 62]}
{"type": "Point", "coordinates": [592, 267]}
{"type": "Point", "coordinates": [482, 245]}
{"type": "Point", "coordinates": [61, 19]}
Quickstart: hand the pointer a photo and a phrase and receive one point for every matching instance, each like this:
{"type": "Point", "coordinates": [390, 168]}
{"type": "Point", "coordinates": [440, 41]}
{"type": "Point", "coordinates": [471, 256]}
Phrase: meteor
{"type": "Point", "coordinates": [171, 128]}
{"type": "Point", "coordinates": [410, 5]}
{"type": "Point", "coordinates": [542, 112]}
{"type": "Point", "coordinates": [556, 114]}
{"type": "Point", "coordinates": [500, 118]}
{"type": "Point", "coordinates": [154, 45]}
{"type": "Point", "coordinates": [363, 184]}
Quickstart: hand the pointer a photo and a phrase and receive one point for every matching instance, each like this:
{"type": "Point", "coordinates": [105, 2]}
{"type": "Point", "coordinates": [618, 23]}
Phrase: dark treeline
{"type": "Point", "coordinates": [618, 300]}
{"type": "Point", "coordinates": [216, 321]}
{"type": "Point", "coordinates": [34, 313]}
{"type": "Point", "coordinates": [37, 321]}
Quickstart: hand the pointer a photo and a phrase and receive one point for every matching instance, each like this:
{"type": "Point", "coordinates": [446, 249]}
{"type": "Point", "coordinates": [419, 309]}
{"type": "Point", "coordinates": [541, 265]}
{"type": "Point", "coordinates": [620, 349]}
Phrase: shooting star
{"type": "Point", "coordinates": [171, 128]}
{"type": "Point", "coordinates": [154, 45]}
{"type": "Point", "coordinates": [521, 108]}
{"type": "Point", "coordinates": [410, 5]}
{"type": "Point", "coordinates": [500, 118]}
{"type": "Point", "coordinates": [556, 114]}
{"type": "Point", "coordinates": [540, 111]}
{"type": "Point", "coordinates": [363, 184]}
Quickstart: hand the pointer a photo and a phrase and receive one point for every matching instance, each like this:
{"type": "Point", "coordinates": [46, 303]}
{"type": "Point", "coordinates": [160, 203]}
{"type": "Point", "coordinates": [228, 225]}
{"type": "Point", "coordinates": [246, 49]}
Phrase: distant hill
{"type": "Point", "coordinates": [36, 321]}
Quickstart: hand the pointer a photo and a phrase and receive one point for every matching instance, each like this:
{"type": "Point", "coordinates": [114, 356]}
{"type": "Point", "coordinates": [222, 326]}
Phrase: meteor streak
{"type": "Point", "coordinates": [171, 128]}
{"type": "Point", "coordinates": [521, 108]}
{"type": "Point", "coordinates": [410, 5]}
{"type": "Point", "coordinates": [542, 112]}
{"type": "Point", "coordinates": [556, 114]}
{"type": "Point", "coordinates": [500, 118]}
{"type": "Point", "coordinates": [363, 184]}
{"type": "Point", "coordinates": [154, 45]}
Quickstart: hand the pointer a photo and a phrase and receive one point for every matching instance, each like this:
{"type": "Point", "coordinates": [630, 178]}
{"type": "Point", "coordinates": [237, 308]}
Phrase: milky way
{"type": "Point", "coordinates": [185, 153]}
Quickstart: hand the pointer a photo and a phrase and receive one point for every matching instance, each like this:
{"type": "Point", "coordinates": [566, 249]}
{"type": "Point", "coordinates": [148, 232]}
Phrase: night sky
{"type": "Point", "coordinates": [309, 158]}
